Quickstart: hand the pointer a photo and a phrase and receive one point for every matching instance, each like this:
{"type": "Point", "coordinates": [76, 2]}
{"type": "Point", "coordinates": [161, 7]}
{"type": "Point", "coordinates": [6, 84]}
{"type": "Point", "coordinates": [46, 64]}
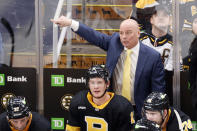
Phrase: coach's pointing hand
{"type": "Point", "coordinates": [62, 21]}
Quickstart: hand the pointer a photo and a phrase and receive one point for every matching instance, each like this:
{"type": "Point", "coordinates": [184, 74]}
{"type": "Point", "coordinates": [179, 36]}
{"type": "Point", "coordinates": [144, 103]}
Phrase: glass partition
{"type": "Point", "coordinates": [166, 28]}
{"type": "Point", "coordinates": [17, 28]}
{"type": "Point", "coordinates": [104, 16]}
{"type": "Point", "coordinates": [187, 28]}
{"type": "Point", "coordinates": [29, 39]}
{"type": "Point", "coordinates": [18, 51]}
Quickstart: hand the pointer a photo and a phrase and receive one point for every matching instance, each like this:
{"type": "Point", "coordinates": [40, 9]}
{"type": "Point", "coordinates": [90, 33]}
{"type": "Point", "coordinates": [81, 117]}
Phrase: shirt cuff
{"type": "Point", "coordinates": [74, 25]}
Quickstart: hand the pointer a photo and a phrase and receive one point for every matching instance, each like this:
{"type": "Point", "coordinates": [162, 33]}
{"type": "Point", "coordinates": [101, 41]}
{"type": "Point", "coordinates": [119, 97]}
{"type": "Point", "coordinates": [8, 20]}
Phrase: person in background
{"type": "Point", "coordinates": [135, 69]}
{"type": "Point", "coordinates": [193, 66]}
{"type": "Point", "coordinates": [142, 11]}
{"type": "Point", "coordinates": [146, 125]}
{"type": "Point", "coordinates": [98, 109]}
{"type": "Point", "coordinates": [156, 108]}
{"type": "Point", "coordinates": [158, 38]}
{"type": "Point", "coordinates": [18, 117]}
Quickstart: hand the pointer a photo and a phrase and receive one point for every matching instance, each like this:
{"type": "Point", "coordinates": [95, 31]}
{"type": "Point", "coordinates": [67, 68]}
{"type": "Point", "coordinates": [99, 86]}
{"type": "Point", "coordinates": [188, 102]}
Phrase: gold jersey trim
{"type": "Point", "coordinates": [72, 128]}
{"type": "Point", "coordinates": [90, 99]}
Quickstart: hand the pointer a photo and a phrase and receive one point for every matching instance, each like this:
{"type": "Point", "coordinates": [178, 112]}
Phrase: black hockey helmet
{"type": "Point", "coordinates": [156, 101]}
{"type": "Point", "coordinates": [97, 71]}
{"type": "Point", "coordinates": [17, 107]}
{"type": "Point", "coordinates": [146, 125]}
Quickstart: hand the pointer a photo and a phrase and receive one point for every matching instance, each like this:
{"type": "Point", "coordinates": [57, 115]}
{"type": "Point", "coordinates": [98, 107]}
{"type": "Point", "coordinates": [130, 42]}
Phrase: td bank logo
{"type": "Point", "coordinates": [57, 123]}
{"type": "Point", "coordinates": [57, 80]}
{"type": "Point", "coordinates": [2, 79]}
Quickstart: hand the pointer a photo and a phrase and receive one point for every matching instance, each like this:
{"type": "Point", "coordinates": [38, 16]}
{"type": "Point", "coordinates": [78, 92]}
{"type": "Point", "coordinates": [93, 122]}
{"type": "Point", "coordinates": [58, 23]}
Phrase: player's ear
{"type": "Point", "coordinates": [165, 113]}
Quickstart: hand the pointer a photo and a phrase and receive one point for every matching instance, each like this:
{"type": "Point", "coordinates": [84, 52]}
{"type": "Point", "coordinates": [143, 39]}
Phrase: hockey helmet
{"type": "Point", "coordinates": [146, 125]}
{"type": "Point", "coordinates": [156, 101]}
{"type": "Point", "coordinates": [17, 107]}
{"type": "Point", "coordinates": [98, 71]}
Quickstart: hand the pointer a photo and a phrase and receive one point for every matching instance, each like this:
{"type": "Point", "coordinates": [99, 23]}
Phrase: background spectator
{"type": "Point", "coordinates": [193, 66]}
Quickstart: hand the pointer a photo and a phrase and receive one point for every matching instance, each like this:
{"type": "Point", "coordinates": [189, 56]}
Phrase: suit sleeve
{"type": "Point", "coordinates": [158, 81]}
{"type": "Point", "coordinates": [99, 39]}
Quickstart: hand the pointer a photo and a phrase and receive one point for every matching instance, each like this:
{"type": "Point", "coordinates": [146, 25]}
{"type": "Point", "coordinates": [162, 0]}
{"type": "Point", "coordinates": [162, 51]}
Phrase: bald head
{"type": "Point", "coordinates": [130, 22]}
{"type": "Point", "coordinates": [129, 33]}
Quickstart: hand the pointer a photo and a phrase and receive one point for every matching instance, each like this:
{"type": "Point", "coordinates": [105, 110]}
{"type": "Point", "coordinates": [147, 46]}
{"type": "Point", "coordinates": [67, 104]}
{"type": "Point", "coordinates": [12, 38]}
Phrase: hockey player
{"type": "Point", "coordinates": [156, 108]}
{"type": "Point", "coordinates": [98, 109]}
{"type": "Point", "coordinates": [19, 117]}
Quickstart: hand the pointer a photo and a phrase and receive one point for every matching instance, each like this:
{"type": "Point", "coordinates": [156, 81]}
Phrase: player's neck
{"type": "Point", "coordinates": [102, 100]}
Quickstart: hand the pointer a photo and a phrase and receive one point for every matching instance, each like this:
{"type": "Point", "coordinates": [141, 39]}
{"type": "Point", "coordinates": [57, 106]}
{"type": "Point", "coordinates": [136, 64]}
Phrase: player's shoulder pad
{"type": "Point", "coordinates": [182, 115]}
{"type": "Point", "coordinates": [122, 101]}
{"type": "Point", "coordinates": [79, 97]}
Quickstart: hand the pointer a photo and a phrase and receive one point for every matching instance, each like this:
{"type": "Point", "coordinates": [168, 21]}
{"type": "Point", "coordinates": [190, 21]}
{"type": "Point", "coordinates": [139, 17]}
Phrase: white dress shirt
{"type": "Point", "coordinates": [118, 72]}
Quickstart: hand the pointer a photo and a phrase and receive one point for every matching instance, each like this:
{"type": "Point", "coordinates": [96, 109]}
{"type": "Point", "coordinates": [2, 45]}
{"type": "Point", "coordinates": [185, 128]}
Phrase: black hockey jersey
{"type": "Point", "coordinates": [176, 119]}
{"type": "Point", "coordinates": [38, 123]}
{"type": "Point", "coordinates": [117, 114]}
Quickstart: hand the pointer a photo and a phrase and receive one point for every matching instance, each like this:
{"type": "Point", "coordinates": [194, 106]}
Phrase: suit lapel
{"type": "Point", "coordinates": [140, 64]}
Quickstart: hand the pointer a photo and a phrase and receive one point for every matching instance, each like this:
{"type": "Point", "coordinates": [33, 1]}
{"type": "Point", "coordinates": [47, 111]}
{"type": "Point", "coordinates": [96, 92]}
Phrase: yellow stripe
{"type": "Point", "coordinates": [161, 42]}
{"type": "Point", "coordinates": [152, 39]}
{"type": "Point", "coordinates": [170, 42]}
{"type": "Point", "coordinates": [90, 99]}
{"type": "Point", "coordinates": [103, 55]}
{"type": "Point", "coordinates": [166, 121]}
{"type": "Point", "coordinates": [142, 3]}
{"type": "Point", "coordinates": [72, 128]}
{"type": "Point", "coordinates": [22, 53]}
{"type": "Point", "coordinates": [90, 5]}
{"type": "Point", "coordinates": [63, 54]}
{"type": "Point", "coordinates": [110, 5]}
{"type": "Point", "coordinates": [85, 55]}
